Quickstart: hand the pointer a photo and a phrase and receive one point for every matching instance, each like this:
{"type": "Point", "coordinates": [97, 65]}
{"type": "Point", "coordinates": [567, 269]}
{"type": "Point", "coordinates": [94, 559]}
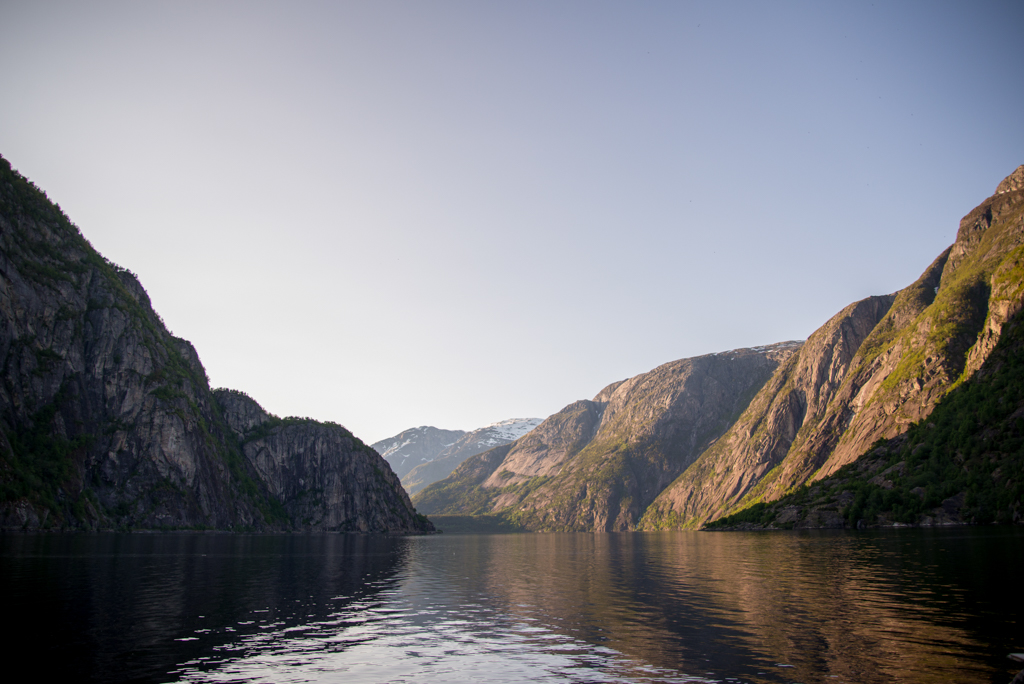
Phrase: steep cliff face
{"type": "Point", "coordinates": [962, 464]}
{"type": "Point", "coordinates": [889, 360]}
{"type": "Point", "coordinates": [798, 396]}
{"type": "Point", "coordinates": [322, 476]}
{"type": "Point", "coordinates": [106, 419]}
{"type": "Point", "coordinates": [597, 464]}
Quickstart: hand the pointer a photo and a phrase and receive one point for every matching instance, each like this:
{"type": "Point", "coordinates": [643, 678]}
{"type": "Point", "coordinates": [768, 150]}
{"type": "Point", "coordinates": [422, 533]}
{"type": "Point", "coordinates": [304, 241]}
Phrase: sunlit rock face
{"type": "Point", "coordinates": [107, 420]}
{"type": "Point", "coordinates": [692, 441]}
{"type": "Point", "coordinates": [876, 368]}
{"type": "Point", "coordinates": [1013, 182]}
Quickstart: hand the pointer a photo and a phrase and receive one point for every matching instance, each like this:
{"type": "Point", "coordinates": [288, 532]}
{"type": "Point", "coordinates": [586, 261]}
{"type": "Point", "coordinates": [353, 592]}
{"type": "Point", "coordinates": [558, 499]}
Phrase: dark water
{"type": "Point", "coordinates": [897, 606]}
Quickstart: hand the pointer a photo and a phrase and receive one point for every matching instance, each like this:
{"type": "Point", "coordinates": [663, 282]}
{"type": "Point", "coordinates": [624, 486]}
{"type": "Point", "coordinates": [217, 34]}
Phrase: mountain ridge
{"type": "Point", "coordinates": [596, 463]}
{"type": "Point", "coordinates": [107, 421]}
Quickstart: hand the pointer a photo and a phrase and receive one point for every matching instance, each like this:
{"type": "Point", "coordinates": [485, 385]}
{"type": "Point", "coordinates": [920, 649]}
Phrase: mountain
{"type": "Point", "coordinates": [108, 421]}
{"type": "Point", "coordinates": [423, 455]}
{"type": "Point", "coordinates": [415, 446]}
{"type": "Point", "coordinates": [875, 369]}
{"type": "Point", "coordinates": [961, 464]}
{"type": "Point", "coordinates": [694, 440]}
{"type": "Point", "coordinates": [596, 465]}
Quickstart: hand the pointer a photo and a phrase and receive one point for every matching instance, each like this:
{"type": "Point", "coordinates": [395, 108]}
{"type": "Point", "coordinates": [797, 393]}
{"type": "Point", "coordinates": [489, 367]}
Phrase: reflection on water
{"type": "Point", "coordinates": [909, 606]}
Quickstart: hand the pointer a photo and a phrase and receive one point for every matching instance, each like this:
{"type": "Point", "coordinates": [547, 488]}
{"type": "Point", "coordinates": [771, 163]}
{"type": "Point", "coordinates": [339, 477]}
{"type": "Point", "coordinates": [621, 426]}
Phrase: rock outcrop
{"type": "Point", "coordinates": [798, 395]}
{"type": "Point", "coordinates": [108, 421]}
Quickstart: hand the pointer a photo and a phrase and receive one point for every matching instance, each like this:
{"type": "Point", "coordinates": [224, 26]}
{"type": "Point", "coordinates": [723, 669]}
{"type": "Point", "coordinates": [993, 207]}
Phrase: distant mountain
{"type": "Point", "coordinates": [470, 444]}
{"type": "Point", "coordinates": [596, 465]}
{"type": "Point", "coordinates": [423, 455]}
{"type": "Point", "coordinates": [415, 446]}
{"type": "Point", "coordinates": [107, 421]}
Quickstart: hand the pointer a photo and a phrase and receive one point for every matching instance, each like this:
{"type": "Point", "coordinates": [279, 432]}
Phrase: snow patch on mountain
{"type": "Point", "coordinates": [406, 450]}
{"type": "Point", "coordinates": [512, 429]}
{"type": "Point", "coordinates": [425, 454]}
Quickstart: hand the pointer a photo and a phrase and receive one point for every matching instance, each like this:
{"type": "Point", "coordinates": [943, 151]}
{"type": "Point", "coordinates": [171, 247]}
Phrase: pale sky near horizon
{"type": "Point", "coordinates": [392, 214]}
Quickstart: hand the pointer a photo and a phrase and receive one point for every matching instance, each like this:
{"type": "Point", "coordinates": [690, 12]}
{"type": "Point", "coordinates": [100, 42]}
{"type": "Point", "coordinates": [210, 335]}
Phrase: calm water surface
{"type": "Point", "coordinates": [907, 606]}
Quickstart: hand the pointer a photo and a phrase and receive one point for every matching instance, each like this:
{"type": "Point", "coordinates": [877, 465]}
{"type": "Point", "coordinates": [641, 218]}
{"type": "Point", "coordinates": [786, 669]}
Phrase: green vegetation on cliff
{"type": "Point", "coordinates": [964, 463]}
{"type": "Point", "coordinates": [865, 376]}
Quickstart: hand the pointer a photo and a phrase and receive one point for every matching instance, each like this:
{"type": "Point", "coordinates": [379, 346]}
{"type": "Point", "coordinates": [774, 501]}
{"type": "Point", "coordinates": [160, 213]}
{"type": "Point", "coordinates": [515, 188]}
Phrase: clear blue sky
{"type": "Point", "coordinates": [390, 214]}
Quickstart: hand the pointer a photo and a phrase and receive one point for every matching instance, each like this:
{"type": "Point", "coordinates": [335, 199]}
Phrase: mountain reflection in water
{"type": "Point", "coordinates": [908, 605]}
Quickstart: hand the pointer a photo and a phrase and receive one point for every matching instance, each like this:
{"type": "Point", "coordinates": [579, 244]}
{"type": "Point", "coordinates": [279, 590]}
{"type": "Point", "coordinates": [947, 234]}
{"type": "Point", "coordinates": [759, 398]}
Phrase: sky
{"type": "Point", "coordinates": [392, 214]}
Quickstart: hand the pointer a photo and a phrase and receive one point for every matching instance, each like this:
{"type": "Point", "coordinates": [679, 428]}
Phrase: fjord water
{"type": "Point", "coordinates": [877, 606]}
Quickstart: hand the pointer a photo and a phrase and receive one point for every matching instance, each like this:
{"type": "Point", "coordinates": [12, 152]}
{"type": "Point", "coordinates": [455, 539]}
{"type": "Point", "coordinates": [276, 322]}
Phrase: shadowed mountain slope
{"type": "Point", "coordinates": [108, 421]}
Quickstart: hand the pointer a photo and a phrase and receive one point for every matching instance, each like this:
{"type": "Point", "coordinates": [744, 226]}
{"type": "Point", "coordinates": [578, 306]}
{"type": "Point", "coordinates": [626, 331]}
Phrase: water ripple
{"type": "Point", "coordinates": [872, 608]}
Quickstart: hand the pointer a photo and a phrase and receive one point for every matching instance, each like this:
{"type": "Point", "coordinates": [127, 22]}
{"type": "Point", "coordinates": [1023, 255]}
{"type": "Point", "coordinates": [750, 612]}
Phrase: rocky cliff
{"type": "Point", "coordinates": [877, 367]}
{"type": "Point", "coordinates": [962, 464]}
{"type": "Point", "coordinates": [108, 421]}
{"type": "Point", "coordinates": [596, 465]}
{"type": "Point", "coordinates": [322, 476]}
